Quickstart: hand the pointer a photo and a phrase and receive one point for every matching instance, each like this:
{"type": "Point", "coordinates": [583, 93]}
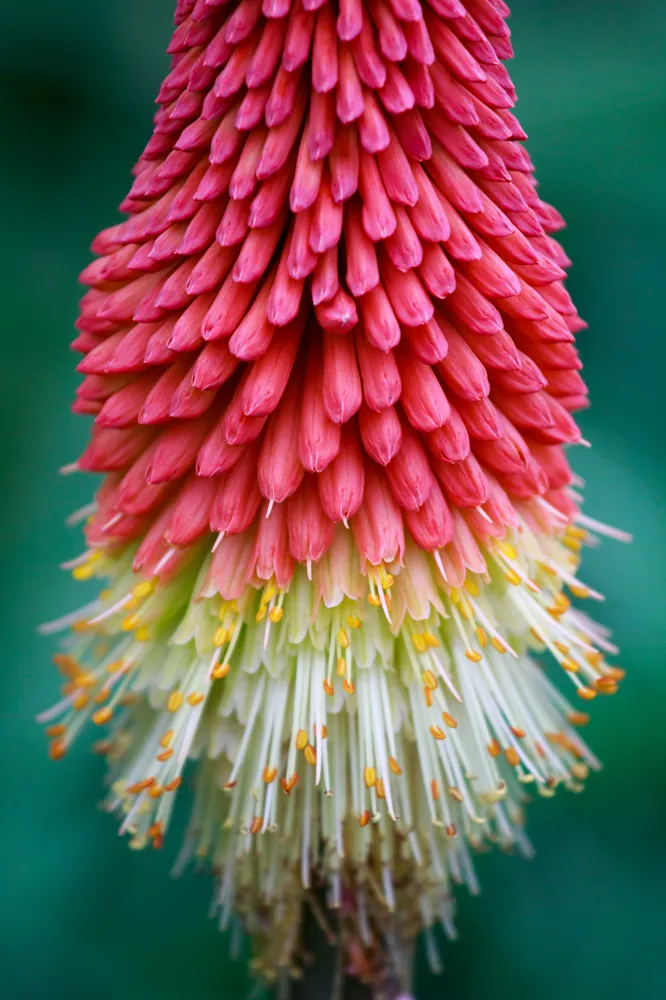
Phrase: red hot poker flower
{"type": "Point", "coordinates": [330, 359]}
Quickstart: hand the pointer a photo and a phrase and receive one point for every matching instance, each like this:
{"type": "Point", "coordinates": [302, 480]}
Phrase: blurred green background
{"type": "Point", "coordinates": [80, 915]}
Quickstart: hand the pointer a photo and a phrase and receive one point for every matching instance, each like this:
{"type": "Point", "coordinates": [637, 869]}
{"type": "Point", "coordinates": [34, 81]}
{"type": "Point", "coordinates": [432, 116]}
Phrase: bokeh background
{"type": "Point", "coordinates": [80, 915]}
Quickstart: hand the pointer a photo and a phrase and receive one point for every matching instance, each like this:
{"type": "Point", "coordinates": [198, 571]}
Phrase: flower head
{"type": "Point", "coordinates": [330, 358]}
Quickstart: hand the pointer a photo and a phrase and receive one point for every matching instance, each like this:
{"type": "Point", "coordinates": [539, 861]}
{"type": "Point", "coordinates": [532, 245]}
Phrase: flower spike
{"type": "Point", "coordinates": [331, 363]}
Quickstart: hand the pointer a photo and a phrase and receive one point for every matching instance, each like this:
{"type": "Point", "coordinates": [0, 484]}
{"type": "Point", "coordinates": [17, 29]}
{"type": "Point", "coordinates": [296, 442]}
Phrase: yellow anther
{"type": "Point", "coordinates": [395, 767]}
{"type": "Point", "coordinates": [581, 592]}
{"type": "Point", "coordinates": [142, 634]}
{"type": "Point", "coordinates": [143, 589]}
{"type": "Point", "coordinates": [261, 614]}
{"type": "Point", "coordinates": [466, 609]}
{"type": "Point", "coordinates": [456, 794]}
{"type": "Point", "coordinates": [328, 687]}
{"type": "Point", "coordinates": [538, 634]}
{"type": "Point", "coordinates": [364, 818]}
{"type": "Point", "coordinates": [85, 680]}
{"type": "Point", "coordinates": [512, 757]}
{"type": "Point", "coordinates": [507, 549]}
{"type": "Point", "coordinates": [561, 647]}
{"type": "Point", "coordinates": [449, 720]}
{"type": "Point", "coordinates": [353, 621]}
{"type": "Point", "coordinates": [434, 789]}
{"type": "Point", "coordinates": [369, 776]}
{"type": "Point", "coordinates": [81, 626]}
{"type": "Point", "coordinates": [580, 771]}
{"type": "Point", "coordinates": [595, 658]}
{"type": "Point", "coordinates": [269, 592]}
{"type": "Point", "coordinates": [276, 615]}
{"type": "Point", "coordinates": [221, 636]}
{"type": "Point", "coordinates": [80, 701]}
{"type": "Point", "coordinates": [175, 700]}
{"type": "Point", "coordinates": [310, 754]}
{"type": "Point", "coordinates": [437, 732]}
{"type": "Point", "coordinates": [431, 640]}
{"type": "Point", "coordinates": [385, 578]}
{"type": "Point", "coordinates": [131, 603]}
{"type": "Point", "coordinates": [512, 577]}
{"type": "Point", "coordinates": [83, 572]}
{"type": "Point", "coordinates": [586, 693]}
{"type": "Point", "coordinates": [102, 715]}
{"type": "Point", "coordinates": [220, 670]}
{"type": "Point", "coordinates": [561, 602]}
{"type": "Point", "coordinates": [343, 637]}
{"type": "Point", "coordinates": [58, 730]}
{"type": "Point", "coordinates": [379, 788]}
{"type": "Point", "coordinates": [129, 623]}
{"type": "Point", "coordinates": [572, 543]}
{"type": "Point", "coordinates": [323, 732]}
{"type": "Point", "coordinates": [455, 595]}
{"type": "Point", "coordinates": [301, 739]}
{"type": "Point", "coordinates": [430, 680]}
{"type": "Point", "coordinates": [472, 588]}
{"type": "Point", "coordinates": [419, 642]}
{"type": "Point", "coordinates": [474, 655]}
{"type": "Point", "coordinates": [574, 532]}
{"type": "Point", "coordinates": [374, 600]}
{"type": "Point", "coordinates": [481, 636]}
{"type": "Point", "coordinates": [105, 594]}
{"type": "Point", "coordinates": [348, 685]}
{"type": "Point", "coordinates": [173, 785]}
{"type": "Point", "coordinates": [451, 830]}
{"type": "Point", "coordinates": [287, 785]}
{"type": "Point", "coordinates": [270, 774]}
{"type": "Point", "coordinates": [569, 664]}
{"type": "Point", "coordinates": [428, 696]}
{"type": "Point", "coordinates": [154, 793]}
{"type": "Point", "coordinates": [195, 698]}
{"type": "Point", "coordinates": [167, 739]}
{"type": "Point", "coordinates": [518, 733]}
{"type": "Point", "coordinates": [256, 824]}
{"type": "Point", "coordinates": [114, 667]}
{"type": "Point", "coordinates": [494, 748]}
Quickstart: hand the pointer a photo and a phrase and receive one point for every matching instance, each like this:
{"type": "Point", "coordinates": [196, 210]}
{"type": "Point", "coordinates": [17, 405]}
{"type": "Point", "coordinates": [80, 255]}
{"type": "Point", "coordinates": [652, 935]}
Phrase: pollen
{"type": "Point", "coordinates": [430, 680]}
{"type": "Point", "coordinates": [395, 767]}
{"type": "Point", "coordinates": [220, 670]}
{"type": "Point", "coordinates": [343, 638]}
{"type": "Point", "coordinates": [310, 754]}
{"type": "Point", "coordinates": [269, 774]}
{"type": "Point", "coordinates": [369, 777]}
{"type": "Point", "coordinates": [174, 701]}
{"type": "Point", "coordinates": [102, 716]}
{"type": "Point", "coordinates": [301, 739]}
{"type": "Point", "coordinates": [474, 655]}
{"type": "Point", "coordinates": [341, 668]}
{"type": "Point", "coordinates": [437, 732]}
